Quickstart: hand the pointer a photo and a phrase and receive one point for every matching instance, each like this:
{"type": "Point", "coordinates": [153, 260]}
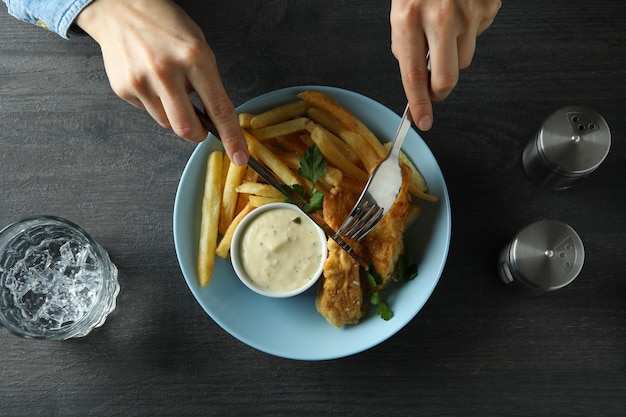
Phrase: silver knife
{"type": "Point", "coordinates": [288, 192]}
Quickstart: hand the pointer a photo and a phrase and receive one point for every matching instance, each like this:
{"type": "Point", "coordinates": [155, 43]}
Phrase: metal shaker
{"type": "Point", "coordinates": [571, 144]}
{"type": "Point", "coordinates": [542, 257]}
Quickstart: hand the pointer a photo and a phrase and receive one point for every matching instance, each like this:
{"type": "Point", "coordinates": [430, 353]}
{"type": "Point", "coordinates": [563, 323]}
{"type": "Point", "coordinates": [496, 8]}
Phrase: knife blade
{"type": "Point", "coordinates": [288, 192]}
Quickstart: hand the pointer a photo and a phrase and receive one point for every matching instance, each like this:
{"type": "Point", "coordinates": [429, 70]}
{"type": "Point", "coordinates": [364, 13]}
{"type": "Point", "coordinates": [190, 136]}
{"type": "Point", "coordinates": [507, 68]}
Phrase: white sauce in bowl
{"type": "Point", "coordinates": [281, 250]}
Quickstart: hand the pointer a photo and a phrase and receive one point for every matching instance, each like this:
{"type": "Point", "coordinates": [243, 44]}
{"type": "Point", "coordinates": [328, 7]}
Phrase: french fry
{"type": "Point", "coordinates": [209, 218]}
{"type": "Point", "coordinates": [281, 129]}
{"type": "Point", "coordinates": [273, 147]}
{"type": "Point", "coordinates": [259, 189]}
{"type": "Point", "coordinates": [292, 160]}
{"type": "Point", "coordinates": [422, 195]}
{"type": "Point", "coordinates": [366, 154]}
{"type": "Point", "coordinates": [279, 114]}
{"type": "Point", "coordinates": [258, 201]}
{"type": "Point", "coordinates": [418, 183]}
{"type": "Point", "coordinates": [418, 186]}
{"type": "Point", "coordinates": [326, 119]}
{"type": "Point", "coordinates": [225, 166]}
{"type": "Point", "coordinates": [242, 199]}
{"type": "Point", "coordinates": [306, 139]}
{"type": "Point", "coordinates": [334, 126]}
{"type": "Point", "coordinates": [414, 213]}
{"type": "Point", "coordinates": [245, 120]}
{"type": "Point", "coordinates": [326, 146]}
{"type": "Point", "coordinates": [270, 160]}
{"type": "Point", "coordinates": [229, 195]}
{"type": "Point", "coordinates": [343, 147]}
{"type": "Point", "coordinates": [224, 246]}
{"type": "Point", "coordinates": [292, 143]}
{"type": "Point", "coordinates": [349, 120]}
{"type": "Point", "coordinates": [251, 175]}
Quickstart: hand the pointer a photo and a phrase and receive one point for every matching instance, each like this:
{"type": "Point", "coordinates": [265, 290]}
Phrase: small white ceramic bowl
{"type": "Point", "coordinates": [284, 253]}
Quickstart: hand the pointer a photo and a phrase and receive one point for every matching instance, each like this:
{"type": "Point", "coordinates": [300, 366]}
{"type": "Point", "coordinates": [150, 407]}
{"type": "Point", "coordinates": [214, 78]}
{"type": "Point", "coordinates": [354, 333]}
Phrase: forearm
{"type": "Point", "coordinates": [54, 15]}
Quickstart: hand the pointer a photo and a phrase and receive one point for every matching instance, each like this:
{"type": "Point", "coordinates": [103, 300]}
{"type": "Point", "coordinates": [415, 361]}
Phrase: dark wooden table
{"type": "Point", "coordinates": [70, 147]}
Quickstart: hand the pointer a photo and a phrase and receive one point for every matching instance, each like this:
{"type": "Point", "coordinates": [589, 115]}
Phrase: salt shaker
{"type": "Point", "coordinates": [571, 144]}
{"type": "Point", "coordinates": [542, 257]}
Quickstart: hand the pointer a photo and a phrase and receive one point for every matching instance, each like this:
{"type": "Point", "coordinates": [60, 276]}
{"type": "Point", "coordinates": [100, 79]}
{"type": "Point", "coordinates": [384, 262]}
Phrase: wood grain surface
{"type": "Point", "coordinates": [70, 147]}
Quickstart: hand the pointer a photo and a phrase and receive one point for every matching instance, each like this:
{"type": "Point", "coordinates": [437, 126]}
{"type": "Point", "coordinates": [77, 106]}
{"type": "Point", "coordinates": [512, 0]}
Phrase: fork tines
{"type": "Point", "coordinates": [361, 221]}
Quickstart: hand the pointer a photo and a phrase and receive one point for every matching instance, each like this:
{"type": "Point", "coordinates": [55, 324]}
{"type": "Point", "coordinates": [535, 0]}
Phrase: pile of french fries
{"type": "Point", "coordinates": [278, 138]}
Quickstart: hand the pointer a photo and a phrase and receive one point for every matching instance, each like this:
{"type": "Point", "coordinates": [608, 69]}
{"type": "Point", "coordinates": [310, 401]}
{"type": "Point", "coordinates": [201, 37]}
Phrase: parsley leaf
{"type": "Point", "coordinates": [375, 298]}
{"type": "Point", "coordinates": [316, 202]}
{"type": "Point", "coordinates": [406, 270]}
{"type": "Point", "coordinates": [382, 307]}
{"type": "Point", "coordinates": [384, 311]}
{"type": "Point", "coordinates": [373, 276]}
{"type": "Point", "coordinates": [300, 190]}
{"type": "Point", "coordinates": [312, 166]}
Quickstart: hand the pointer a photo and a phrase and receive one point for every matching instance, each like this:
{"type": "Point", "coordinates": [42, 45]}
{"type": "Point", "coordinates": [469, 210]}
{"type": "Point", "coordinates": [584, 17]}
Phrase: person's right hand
{"type": "Point", "coordinates": [448, 30]}
{"type": "Point", "coordinates": [155, 55]}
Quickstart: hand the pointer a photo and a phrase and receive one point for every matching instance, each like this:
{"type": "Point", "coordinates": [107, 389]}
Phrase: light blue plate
{"type": "Point", "coordinates": [292, 328]}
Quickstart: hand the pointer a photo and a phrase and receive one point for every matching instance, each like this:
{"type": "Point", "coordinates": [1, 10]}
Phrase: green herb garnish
{"type": "Point", "coordinates": [312, 166]}
{"type": "Point", "coordinates": [382, 307]}
{"type": "Point", "coordinates": [406, 270]}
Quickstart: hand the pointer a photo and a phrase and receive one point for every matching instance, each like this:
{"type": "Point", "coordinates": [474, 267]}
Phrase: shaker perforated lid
{"type": "Point", "coordinates": [547, 254]}
{"type": "Point", "coordinates": [574, 140]}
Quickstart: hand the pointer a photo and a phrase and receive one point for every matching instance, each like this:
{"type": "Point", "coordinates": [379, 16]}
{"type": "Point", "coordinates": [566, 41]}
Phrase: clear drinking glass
{"type": "Point", "coordinates": [56, 282]}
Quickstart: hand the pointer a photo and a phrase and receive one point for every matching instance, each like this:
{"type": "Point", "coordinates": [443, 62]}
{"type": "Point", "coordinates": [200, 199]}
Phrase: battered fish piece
{"type": "Point", "coordinates": [385, 243]}
{"type": "Point", "coordinates": [343, 284]}
{"type": "Point", "coordinates": [340, 295]}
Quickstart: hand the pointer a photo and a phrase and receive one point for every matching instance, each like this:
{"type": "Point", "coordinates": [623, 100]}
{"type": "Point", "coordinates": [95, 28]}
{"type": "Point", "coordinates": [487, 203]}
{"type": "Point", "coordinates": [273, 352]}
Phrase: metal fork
{"type": "Point", "coordinates": [381, 189]}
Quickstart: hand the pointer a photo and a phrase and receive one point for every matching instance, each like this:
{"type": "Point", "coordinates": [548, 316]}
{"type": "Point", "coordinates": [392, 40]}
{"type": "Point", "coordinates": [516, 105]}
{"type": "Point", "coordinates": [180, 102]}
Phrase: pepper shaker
{"type": "Point", "coordinates": [542, 257]}
{"type": "Point", "coordinates": [571, 144]}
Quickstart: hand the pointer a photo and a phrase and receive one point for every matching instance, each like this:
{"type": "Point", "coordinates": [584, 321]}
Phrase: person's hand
{"type": "Point", "coordinates": [448, 30]}
{"type": "Point", "coordinates": [155, 55]}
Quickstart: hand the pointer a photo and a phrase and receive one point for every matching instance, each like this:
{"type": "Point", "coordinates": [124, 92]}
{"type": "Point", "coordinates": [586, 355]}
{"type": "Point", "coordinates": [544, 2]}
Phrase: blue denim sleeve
{"type": "Point", "coordinates": [54, 15]}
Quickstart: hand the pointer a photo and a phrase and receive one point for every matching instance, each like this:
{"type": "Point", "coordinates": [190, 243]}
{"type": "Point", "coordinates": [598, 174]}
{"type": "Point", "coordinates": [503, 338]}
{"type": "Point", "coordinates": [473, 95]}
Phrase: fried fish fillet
{"type": "Point", "coordinates": [342, 287]}
{"type": "Point", "coordinates": [385, 243]}
{"type": "Point", "coordinates": [340, 295]}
